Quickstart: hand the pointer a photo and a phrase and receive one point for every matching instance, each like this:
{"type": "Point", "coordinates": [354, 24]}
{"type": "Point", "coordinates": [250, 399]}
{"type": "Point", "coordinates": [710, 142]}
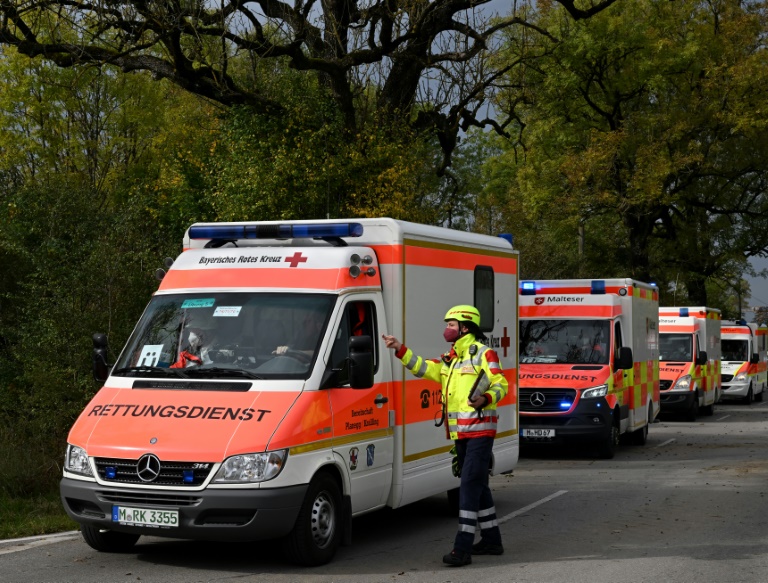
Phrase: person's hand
{"type": "Point", "coordinates": [392, 342]}
{"type": "Point", "coordinates": [478, 402]}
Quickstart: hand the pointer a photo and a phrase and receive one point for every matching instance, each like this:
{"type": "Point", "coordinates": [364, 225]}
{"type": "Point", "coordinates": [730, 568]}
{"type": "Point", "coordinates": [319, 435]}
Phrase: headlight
{"type": "Point", "coordinates": [741, 377]}
{"type": "Point", "coordinates": [251, 467]}
{"type": "Point", "coordinates": [683, 383]}
{"type": "Point", "coordinates": [76, 461]}
{"type": "Point", "coordinates": [595, 392]}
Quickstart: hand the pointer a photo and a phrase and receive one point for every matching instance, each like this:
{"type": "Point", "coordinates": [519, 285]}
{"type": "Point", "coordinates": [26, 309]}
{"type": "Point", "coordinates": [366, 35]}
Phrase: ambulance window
{"type": "Point", "coordinates": [484, 296]}
{"type": "Point", "coordinates": [359, 319]}
{"type": "Point", "coordinates": [617, 343]}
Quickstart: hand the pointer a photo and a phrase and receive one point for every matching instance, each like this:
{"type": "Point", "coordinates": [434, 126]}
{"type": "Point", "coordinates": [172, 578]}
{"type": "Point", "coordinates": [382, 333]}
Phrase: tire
{"type": "Point", "coordinates": [750, 396]}
{"type": "Point", "coordinates": [317, 532]}
{"type": "Point", "coordinates": [107, 541]}
{"type": "Point", "coordinates": [759, 397]}
{"type": "Point", "coordinates": [693, 412]}
{"type": "Point", "coordinates": [709, 410]}
{"type": "Point", "coordinates": [607, 448]}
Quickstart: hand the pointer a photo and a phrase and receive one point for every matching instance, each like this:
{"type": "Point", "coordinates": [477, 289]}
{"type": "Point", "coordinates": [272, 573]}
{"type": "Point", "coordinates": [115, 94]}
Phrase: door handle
{"type": "Point", "coordinates": [381, 400]}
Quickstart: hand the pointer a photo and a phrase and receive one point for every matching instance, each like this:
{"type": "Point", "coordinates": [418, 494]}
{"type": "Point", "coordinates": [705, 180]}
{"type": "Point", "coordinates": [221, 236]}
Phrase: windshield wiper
{"type": "Point", "coordinates": [222, 371]}
{"type": "Point", "coordinates": [151, 369]}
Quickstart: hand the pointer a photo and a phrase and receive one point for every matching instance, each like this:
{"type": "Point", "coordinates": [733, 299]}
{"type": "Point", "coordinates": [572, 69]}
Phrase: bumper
{"type": "Point", "coordinates": [734, 391]}
{"type": "Point", "coordinates": [589, 421]}
{"type": "Point", "coordinates": [226, 515]}
{"type": "Point", "coordinates": [676, 401]}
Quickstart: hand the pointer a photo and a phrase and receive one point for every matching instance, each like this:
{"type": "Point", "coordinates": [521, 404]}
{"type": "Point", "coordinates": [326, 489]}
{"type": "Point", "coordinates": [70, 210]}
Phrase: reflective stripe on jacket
{"type": "Point", "coordinates": [457, 377]}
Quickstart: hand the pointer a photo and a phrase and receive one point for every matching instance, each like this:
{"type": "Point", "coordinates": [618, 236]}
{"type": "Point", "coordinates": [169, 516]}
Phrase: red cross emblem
{"type": "Point", "coordinates": [296, 259]}
{"type": "Point", "coordinates": [505, 341]}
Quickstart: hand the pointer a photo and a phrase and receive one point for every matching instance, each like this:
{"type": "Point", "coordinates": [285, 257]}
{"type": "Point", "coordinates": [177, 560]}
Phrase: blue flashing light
{"type": "Point", "coordinates": [110, 472]}
{"type": "Point", "coordinates": [598, 405]}
{"type": "Point", "coordinates": [189, 476]}
{"type": "Point", "coordinates": [684, 312]}
{"type": "Point", "coordinates": [527, 288]}
{"type": "Point", "coordinates": [507, 237]}
{"type": "Point", "coordinates": [598, 287]}
{"type": "Point", "coordinates": [565, 405]}
{"type": "Point", "coordinates": [285, 231]}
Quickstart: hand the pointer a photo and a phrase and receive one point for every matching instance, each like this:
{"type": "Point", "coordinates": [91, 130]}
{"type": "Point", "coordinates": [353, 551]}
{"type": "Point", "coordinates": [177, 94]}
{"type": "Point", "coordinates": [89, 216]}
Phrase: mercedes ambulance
{"type": "Point", "coordinates": [744, 375]}
{"type": "Point", "coordinates": [256, 399]}
{"type": "Point", "coordinates": [589, 361]}
{"type": "Point", "coordinates": [689, 360]}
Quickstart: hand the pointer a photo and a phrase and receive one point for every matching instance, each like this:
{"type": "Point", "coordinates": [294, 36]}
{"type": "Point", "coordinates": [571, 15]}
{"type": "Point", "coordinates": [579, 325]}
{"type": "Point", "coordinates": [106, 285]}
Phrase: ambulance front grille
{"type": "Point", "coordinates": [664, 385]}
{"type": "Point", "coordinates": [544, 400]}
{"type": "Point", "coordinates": [726, 378]}
{"type": "Point", "coordinates": [180, 474]}
{"type": "Point", "coordinates": [146, 499]}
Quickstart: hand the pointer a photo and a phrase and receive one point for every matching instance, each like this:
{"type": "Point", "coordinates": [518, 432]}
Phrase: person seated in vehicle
{"type": "Point", "coordinates": [305, 338]}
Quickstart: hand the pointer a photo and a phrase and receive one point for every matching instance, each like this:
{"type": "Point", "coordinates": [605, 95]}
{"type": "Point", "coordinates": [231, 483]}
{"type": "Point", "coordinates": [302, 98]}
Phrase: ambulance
{"type": "Point", "coordinates": [589, 362]}
{"type": "Point", "coordinates": [256, 399]}
{"type": "Point", "coordinates": [744, 361]}
{"type": "Point", "coordinates": [689, 360]}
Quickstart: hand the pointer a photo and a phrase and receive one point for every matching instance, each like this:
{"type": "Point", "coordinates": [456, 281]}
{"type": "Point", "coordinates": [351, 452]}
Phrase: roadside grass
{"type": "Point", "coordinates": [30, 471]}
{"type": "Point", "coordinates": [40, 514]}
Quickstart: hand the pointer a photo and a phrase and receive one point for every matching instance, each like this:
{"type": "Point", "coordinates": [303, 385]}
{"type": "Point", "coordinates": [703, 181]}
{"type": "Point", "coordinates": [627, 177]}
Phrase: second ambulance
{"type": "Point", "coordinates": [589, 361]}
{"type": "Point", "coordinates": [744, 373]}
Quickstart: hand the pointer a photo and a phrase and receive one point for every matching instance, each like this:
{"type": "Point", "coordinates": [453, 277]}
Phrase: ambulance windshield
{"type": "Point", "coordinates": [564, 341]}
{"type": "Point", "coordinates": [227, 335]}
{"type": "Point", "coordinates": [735, 350]}
{"type": "Point", "coordinates": [675, 347]}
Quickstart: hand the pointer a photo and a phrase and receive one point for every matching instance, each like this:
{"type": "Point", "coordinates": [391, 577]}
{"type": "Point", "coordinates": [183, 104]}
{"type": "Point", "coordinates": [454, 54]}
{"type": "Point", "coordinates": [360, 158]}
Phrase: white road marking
{"type": "Point", "coordinates": [30, 542]}
{"type": "Point", "coordinates": [723, 417]}
{"type": "Point", "coordinates": [664, 443]}
{"type": "Point", "coordinates": [534, 505]}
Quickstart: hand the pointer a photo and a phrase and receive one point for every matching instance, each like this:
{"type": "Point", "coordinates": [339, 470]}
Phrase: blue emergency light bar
{"type": "Point", "coordinates": [597, 287]}
{"type": "Point", "coordinates": [684, 312]}
{"type": "Point", "coordinates": [284, 231]}
{"type": "Point", "coordinates": [527, 288]}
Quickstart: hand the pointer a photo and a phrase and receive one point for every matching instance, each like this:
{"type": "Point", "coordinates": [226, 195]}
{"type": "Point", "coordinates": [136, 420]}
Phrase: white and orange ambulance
{"type": "Point", "coordinates": [744, 367]}
{"type": "Point", "coordinates": [255, 398]}
{"type": "Point", "coordinates": [689, 360]}
{"type": "Point", "coordinates": [589, 361]}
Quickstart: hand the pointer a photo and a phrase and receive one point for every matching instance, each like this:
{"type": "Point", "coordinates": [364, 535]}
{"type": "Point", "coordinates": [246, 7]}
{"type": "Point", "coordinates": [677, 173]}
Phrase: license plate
{"type": "Point", "coordinates": [145, 516]}
{"type": "Point", "coordinates": [538, 432]}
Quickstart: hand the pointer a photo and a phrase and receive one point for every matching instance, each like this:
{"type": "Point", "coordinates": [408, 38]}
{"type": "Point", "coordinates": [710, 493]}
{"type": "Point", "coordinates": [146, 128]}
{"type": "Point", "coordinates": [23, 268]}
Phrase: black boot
{"type": "Point", "coordinates": [457, 558]}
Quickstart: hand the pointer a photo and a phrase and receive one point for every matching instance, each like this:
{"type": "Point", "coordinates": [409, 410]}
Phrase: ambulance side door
{"type": "Point", "coordinates": [362, 435]}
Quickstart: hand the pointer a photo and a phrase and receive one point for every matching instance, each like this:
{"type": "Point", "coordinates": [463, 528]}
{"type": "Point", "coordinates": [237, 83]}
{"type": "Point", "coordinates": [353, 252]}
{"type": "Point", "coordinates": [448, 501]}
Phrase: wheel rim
{"type": "Point", "coordinates": [323, 520]}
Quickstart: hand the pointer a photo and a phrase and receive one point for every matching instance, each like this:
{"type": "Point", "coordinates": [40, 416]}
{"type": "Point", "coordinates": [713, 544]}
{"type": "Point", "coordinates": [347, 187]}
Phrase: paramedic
{"type": "Point", "coordinates": [471, 423]}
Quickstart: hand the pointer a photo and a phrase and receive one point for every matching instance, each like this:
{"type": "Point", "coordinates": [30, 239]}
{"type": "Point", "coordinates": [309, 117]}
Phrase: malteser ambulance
{"type": "Point", "coordinates": [689, 360]}
{"type": "Point", "coordinates": [255, 398]}
{"type": "Point", "coordinates": [589, 361]}
{"type": "Point", "coordinates": [744, 361]}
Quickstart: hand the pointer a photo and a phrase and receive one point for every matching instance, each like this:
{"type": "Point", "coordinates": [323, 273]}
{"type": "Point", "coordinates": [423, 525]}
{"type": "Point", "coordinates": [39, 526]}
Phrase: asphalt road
{"type": "Point", "coordinates": [690, 505]}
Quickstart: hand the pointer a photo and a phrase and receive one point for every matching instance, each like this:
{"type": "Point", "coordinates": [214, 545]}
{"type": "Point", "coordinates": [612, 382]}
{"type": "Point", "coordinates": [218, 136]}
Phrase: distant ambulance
{"type": "Point", "coordinates": [744, 367]}
{"type": "Point", "coordinates": [256, 400]}
{"type": "Point", "coordinates": [689, 360]}
{"type": "Point", "coordinates": [589, 361]}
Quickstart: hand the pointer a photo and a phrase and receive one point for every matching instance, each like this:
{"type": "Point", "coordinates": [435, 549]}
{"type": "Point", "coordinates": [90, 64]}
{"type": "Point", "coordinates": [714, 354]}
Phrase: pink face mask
{"type": "Point", "coordinates": [450, 334]}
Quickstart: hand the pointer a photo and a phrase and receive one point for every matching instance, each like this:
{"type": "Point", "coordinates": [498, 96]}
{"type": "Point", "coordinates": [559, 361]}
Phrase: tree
{"type": "Point", "coordinates": [422, 60]}
{"type": "Point", "coordinates": [645, 118]}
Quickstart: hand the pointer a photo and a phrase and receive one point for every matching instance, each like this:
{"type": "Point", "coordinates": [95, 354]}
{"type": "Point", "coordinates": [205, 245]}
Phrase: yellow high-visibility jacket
{"type": "Point", "coordinates": [457, 371]}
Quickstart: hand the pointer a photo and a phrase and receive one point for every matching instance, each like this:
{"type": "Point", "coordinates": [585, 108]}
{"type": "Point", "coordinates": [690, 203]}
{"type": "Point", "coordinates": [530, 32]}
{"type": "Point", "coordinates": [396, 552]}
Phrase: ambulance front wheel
{"type": "Point", "coordinates": [108, 541]}
{"type": "Point", "coordinates": [317, 532]}
{"type": "Point", "coordinates": [607, 448]}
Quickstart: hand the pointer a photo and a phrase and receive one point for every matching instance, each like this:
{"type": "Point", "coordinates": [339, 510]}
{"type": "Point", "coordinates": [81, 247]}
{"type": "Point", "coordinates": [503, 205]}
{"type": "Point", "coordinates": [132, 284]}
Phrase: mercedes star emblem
{"type": "Point", "coordinates": [148, 468]}
{"type": "Point", "coordinates": [537, 399]}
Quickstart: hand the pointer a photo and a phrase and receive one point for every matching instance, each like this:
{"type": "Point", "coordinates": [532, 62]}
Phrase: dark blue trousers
{"type": "Point", "coordinates": [476, 508]}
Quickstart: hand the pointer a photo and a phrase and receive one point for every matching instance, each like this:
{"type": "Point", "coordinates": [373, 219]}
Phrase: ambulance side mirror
{"type": "Point", "coordinates": [360, 362]}
{"type": "Point", "coordinates": [100, 366]}
{"type": "Point", "coordinates": [754, 359]}
{"type": "Point", "coordinates": [702, 358]}
{"type": "Point", "coordinates": [625, 360]}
